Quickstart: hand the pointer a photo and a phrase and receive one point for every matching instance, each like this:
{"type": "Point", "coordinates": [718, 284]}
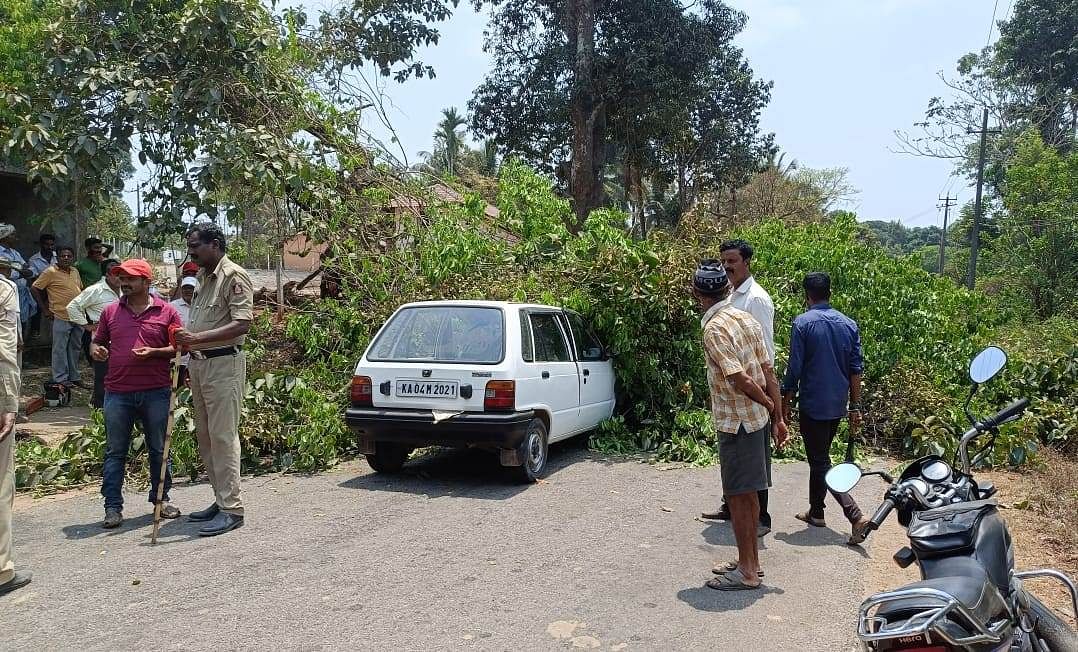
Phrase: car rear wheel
{"type": "Point", "coordinates": [534, 452]}
{"type": "Point", "coordinates": [388, 457]}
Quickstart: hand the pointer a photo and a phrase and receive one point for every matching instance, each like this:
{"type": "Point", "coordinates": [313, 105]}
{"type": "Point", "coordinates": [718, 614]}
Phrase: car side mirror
{"type": "Point", "coordinates": [843, 477]}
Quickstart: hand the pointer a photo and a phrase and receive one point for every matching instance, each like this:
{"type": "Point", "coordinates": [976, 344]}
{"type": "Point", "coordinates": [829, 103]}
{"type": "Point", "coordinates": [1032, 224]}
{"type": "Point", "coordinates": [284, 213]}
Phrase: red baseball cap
{"type": "Point", "coordinates": [189, 266]}
{"type": "Point", "coordinates": [133, 267]}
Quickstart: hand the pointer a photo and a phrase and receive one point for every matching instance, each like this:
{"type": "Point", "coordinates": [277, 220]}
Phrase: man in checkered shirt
{"type": "Point", "coordinates": [746, 408]}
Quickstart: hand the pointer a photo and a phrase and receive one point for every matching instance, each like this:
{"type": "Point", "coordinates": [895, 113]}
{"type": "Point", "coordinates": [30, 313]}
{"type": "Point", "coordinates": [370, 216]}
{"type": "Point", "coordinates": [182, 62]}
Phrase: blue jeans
{"type": "Point", "coordinates": [121, 410]}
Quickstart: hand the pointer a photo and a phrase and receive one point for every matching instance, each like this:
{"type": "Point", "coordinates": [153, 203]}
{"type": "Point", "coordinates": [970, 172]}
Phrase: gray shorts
{"type": "Point", "coordinates": [745, 461]}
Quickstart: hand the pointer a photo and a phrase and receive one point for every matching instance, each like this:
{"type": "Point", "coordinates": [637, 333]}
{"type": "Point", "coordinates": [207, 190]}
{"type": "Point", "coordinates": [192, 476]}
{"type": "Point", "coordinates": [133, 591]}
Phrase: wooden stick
{"type": "Point", "coordinates": [168, 443]}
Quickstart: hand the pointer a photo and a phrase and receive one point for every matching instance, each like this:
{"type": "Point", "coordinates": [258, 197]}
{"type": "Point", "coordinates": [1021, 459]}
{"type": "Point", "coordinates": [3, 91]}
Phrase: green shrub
{"type": "Point", "coordinates": [919, 330]}
{"type": "Point", "coordinates": [636, 295]}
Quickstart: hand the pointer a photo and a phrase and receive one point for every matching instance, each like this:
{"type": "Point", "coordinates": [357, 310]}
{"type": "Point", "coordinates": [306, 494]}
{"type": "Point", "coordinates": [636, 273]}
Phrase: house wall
{"type": "Point", "coordinates": [301, 256]}
{"type": "Point", "coordinates": [27, 212]}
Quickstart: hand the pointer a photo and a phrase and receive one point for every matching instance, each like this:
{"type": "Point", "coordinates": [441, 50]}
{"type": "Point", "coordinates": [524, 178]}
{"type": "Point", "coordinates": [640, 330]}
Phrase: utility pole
{"type": "Point", "coordinates": [947, 203]}
{"type": "Point", "coordinates": [975, 233]}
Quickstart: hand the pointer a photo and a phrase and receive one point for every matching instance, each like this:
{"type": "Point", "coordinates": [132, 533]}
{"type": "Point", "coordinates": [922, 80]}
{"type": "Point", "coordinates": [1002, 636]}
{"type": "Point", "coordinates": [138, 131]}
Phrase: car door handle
{"type": "Point", "coordinates": [587, 372]}
{"type": "Point", "coordinates": [546, 374]}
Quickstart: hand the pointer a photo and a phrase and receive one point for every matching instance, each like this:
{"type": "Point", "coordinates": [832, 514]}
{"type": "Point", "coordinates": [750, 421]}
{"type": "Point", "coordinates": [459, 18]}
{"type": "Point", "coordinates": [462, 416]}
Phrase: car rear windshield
{"type": "Point", "coordinates": [442, 334]}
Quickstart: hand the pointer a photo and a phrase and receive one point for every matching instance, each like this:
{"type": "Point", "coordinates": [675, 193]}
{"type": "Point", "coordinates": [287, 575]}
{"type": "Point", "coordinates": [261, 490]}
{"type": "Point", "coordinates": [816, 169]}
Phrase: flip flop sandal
{"type": "Point", "coordinates": [732, 581]}
{"type": "Point", "coordinates": [810, 519]}
{"type": "Point", "coordinates": [723, 569]}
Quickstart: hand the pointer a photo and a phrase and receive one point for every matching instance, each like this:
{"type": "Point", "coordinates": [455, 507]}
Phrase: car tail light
{"type": "Point", "coordinates": [501, 395]}
{"type": "Point", "coordinates": [362, 391]}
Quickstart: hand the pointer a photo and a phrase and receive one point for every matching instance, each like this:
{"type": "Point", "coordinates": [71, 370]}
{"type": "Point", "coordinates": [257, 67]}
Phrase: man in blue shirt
{"type": "Point", "coordinates": [825, 365]}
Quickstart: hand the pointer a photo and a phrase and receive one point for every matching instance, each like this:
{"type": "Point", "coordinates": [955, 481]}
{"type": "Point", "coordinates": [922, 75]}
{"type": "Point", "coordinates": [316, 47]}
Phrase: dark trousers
{"type": "Point", "coordinates": [121, 410]}
{"type": "Point", "coordinates": [100, 369]}
{"type": "Point", "coordinates": [818, 436]}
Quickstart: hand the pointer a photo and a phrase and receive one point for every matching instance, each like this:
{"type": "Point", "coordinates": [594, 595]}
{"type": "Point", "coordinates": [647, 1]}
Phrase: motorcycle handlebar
{"type": "Point", "coordinates": [881, 515]}
{"type": "Point", "coordinates": [1007, 413]}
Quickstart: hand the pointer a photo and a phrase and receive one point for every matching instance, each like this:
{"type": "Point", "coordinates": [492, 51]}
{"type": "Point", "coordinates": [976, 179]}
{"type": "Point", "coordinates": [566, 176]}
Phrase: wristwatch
{"type": "Point", "coordinates": [854, 407]}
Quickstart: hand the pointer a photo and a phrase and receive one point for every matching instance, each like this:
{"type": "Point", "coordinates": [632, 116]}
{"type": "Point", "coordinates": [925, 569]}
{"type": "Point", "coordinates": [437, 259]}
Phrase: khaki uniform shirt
{"type": "Point", "coordinates": [10, 339]}
{"type": "Point", "coordinates": [223, 295]}
{"type": "Point", "coordinates": [734, 343]}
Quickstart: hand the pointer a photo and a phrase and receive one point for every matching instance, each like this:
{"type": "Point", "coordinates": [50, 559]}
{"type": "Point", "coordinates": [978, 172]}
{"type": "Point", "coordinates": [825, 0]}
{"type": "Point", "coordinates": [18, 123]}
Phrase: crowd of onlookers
{"type": "Point", "coordinates": [143, 349]}
{"type": "Point", "coordinates": [64, 295]}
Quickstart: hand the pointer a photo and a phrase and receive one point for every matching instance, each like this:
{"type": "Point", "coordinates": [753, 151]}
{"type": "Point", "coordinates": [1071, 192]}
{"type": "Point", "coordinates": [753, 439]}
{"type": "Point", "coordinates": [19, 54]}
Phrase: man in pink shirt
{"type": "Point", "coordinates": [133, 337]}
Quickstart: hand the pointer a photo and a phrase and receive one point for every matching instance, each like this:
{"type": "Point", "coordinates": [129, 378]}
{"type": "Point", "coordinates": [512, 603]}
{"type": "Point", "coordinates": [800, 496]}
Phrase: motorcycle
{"type": "Point", "coordinates": [970, 597]}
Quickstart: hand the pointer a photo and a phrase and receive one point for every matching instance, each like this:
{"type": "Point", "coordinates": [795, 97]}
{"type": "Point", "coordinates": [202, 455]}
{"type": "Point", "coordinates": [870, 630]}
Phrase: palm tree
{"type": "Point", "coordinates": [490, 157]}
{"type": "Point", "coordinates": [449, 140]}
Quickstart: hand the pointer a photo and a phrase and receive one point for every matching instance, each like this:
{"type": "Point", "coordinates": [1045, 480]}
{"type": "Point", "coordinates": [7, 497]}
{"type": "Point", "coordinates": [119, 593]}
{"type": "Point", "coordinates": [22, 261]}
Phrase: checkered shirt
{"type": "Point", "coordinates": [734, 342]}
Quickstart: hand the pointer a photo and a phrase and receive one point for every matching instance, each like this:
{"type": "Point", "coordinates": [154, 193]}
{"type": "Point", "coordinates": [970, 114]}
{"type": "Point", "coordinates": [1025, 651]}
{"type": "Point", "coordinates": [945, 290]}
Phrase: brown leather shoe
{"type": "Point", "coordinates": [722, 514]}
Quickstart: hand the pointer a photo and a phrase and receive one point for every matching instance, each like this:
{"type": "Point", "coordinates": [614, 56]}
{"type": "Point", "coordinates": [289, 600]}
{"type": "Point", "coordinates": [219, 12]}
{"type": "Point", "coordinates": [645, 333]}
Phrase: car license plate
{"type": "Point", "coordinates": [427, 388]}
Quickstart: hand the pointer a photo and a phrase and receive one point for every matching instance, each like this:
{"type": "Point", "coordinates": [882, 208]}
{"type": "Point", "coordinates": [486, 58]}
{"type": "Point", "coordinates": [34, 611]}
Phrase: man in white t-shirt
{"type": "Point", "coordinates": [182, 304]}
{"type": "Point", "coordinates": [736, 258]}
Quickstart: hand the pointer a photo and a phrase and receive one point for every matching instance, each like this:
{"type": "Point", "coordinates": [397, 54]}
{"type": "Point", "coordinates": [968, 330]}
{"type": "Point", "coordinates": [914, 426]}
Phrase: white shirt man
{"type": "Point", "coordinates": [753, 299]}
{"type": "Point", "coordinates": [188, 287]}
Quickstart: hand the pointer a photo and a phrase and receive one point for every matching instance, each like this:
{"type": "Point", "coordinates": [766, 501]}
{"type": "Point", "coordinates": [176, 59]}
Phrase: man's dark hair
{"type": "Point", "coordinates": [817, 286]}
{"type": "Point", "coordinates": [743, 248]}
{"type": "Point", "coordinates": [46, 236]}
{"type": "Point", "coordinates": [91, 242]}
{"type": "Point", "coordinates": [106, 264]}
{"type": "Point", "coordinates": [66, 248]}
{"type": "Point", "coordinates": [208, 232]}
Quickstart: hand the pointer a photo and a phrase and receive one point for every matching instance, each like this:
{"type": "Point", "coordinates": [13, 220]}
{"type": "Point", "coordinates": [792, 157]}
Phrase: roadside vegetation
{"type": "Point", "coordinates": [919, 331]}
{"type": "Point", "coordinates": [253, 116]}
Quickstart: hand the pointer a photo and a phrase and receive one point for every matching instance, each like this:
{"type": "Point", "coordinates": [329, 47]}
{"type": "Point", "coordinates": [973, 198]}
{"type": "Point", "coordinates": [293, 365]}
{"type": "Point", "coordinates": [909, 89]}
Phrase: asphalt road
{"type": "Point", "coordinates": [450, 555]}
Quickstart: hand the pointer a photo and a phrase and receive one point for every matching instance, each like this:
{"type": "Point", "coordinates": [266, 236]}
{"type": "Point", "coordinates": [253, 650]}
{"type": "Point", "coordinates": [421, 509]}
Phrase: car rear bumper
{"type": "Point", "coordinates": [417, 428]}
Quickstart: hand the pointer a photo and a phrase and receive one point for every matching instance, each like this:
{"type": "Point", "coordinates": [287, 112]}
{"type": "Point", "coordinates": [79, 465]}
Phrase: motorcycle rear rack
{"type": "Point", "coordinates": [1056, 575]}
{"type": "Point", "coordinates": [926, 621]}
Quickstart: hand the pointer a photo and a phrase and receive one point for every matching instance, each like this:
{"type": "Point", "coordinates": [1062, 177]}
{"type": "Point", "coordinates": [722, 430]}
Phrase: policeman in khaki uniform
{"type": "Point", "coordinates": [10, 342]}
{"type": "Point", "coordinates": [220, 317]}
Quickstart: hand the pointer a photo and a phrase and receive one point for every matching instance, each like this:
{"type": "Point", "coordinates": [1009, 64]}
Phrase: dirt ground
{"type": "Point", "coordinates": [1039, 507]}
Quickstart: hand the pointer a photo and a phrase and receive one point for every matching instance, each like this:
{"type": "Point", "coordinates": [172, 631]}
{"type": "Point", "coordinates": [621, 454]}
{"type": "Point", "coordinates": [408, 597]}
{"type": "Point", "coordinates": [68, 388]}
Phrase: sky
{"type": "Point", "coordinates": [846, 73]}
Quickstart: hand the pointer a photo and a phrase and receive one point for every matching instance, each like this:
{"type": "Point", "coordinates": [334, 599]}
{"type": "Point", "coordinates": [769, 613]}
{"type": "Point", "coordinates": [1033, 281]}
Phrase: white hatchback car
{"type": "Point", "coordinates": [507, 376]}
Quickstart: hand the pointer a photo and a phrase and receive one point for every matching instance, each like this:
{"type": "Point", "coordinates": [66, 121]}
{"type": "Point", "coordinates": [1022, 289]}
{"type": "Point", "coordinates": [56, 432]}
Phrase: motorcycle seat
{"type": "Point", "coordinates": [976, 592]}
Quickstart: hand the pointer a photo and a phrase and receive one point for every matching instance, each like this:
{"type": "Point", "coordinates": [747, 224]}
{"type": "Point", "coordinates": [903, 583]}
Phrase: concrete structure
{"type": "Point", "coordinates": [31, 215]}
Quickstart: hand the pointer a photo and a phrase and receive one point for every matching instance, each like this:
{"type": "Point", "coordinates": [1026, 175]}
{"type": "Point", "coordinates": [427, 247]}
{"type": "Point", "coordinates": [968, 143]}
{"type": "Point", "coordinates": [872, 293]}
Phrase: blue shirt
{"type": "Point", "coordinates": [825, 350]}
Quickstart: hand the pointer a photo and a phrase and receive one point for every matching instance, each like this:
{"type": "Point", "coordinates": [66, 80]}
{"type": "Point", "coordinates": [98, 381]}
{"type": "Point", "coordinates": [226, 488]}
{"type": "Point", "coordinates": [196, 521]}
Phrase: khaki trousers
{"type": "Point", "coordinates": [217, 387]}
{"type": "Point", "coordinates": [7, 500]}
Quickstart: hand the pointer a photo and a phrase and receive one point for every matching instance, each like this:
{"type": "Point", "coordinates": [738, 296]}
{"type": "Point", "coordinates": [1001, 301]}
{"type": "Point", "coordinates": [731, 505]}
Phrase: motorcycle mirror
{"type": "Point", "coordinates": [987, 364]}
{"type": "Point", "coordinates": [843, 477]}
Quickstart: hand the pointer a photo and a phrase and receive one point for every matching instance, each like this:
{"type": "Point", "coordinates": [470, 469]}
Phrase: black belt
{"type": "Point", "coordinates": [206, 354]}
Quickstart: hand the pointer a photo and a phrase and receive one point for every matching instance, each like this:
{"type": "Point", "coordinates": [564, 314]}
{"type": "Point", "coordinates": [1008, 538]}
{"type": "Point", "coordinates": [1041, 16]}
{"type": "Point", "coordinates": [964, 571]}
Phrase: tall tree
{"type": "Point", "coordinates": [577, 83]}
{"type": "Point", "coordinates": [1037, 249]}
{"type": "Point", "coordinates": [209, 95]}
{"type": "Point", "coordinates": [449, 141]}
{"type": "Point", "coordinates": [1028, 78]}
{"type": "Point", "coordinates": [1038, 50]}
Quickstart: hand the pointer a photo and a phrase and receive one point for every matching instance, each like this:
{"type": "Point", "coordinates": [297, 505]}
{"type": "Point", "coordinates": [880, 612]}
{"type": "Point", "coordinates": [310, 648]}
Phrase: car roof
{"type": "Point", "coordinates": [479, 304]}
